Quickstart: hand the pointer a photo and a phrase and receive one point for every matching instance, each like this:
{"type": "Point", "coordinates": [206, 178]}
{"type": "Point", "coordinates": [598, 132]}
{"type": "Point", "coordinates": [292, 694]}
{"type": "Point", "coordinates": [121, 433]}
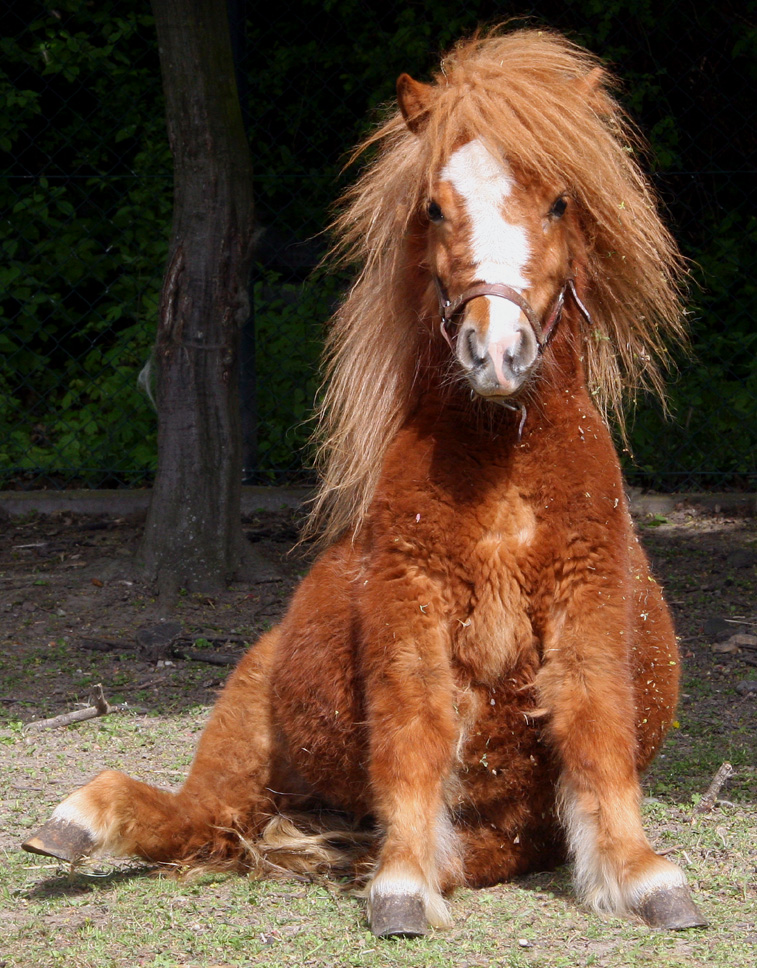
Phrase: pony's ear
{"type": "Point", "coordinates": [414, 100]}
{"type": "Point", "coordinates": [591, 88]}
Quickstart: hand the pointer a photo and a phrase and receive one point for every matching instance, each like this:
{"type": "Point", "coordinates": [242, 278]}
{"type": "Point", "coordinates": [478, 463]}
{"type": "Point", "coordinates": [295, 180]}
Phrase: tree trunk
{"type": "Point", "coordinates": [193, 537]}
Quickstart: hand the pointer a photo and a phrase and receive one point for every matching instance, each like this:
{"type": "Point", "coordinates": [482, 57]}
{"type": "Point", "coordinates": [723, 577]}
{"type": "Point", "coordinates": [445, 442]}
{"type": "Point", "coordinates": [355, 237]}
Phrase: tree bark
{"type": "Point", "coordinates": [193, 537]}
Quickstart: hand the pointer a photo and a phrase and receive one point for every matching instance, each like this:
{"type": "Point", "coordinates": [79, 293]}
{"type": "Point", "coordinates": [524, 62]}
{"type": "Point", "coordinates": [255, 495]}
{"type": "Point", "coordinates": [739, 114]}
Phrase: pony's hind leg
{"type": "Point", "coordinates": [222, 803]}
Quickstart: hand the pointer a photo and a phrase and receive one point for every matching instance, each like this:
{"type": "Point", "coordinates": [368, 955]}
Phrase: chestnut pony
{"type": "Point", "coordinates": [479, 664]}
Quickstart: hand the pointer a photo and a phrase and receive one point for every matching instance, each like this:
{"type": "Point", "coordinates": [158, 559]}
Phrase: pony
{"type": "Point", "coordinates": [479, 664]}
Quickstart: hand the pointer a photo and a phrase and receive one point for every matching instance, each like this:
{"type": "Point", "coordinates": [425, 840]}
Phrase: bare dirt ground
{"type": "Point", "coordinates": [73, 614]}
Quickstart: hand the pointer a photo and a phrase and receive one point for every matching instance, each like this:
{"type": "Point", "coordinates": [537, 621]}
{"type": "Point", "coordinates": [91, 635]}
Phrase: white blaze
{"type": "Point", "coordinates": [499, 249]}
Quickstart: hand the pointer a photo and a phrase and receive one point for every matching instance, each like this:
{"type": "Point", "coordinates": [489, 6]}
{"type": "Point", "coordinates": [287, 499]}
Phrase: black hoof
{"type": "Point", "coordinates": [398, 916]}
{"type": "Point", "coordinates": [61, 839]}
{"type": "Point", "coordinates": [671, 909]}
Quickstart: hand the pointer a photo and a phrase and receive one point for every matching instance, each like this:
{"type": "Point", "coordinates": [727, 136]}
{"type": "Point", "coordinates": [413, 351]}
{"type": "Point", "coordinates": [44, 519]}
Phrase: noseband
{"type": "Point", "coordinates": [543, 329]}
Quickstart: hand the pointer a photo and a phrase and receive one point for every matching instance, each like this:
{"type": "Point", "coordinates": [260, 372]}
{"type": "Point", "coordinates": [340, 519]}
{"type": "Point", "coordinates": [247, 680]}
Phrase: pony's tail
{"type": "Point", "coordinates": [310, 846]}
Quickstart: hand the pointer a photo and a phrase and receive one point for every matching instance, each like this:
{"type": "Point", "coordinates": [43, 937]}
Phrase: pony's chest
{"type": "Point", "coordinates": [492, 629]}
{"type": "Point", "coordinates": [479, 541]}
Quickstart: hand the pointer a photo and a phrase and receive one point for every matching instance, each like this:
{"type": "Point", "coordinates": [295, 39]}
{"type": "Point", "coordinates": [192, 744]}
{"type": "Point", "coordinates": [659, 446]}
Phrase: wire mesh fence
{"type": "Point", "coordinates": [86, 196]}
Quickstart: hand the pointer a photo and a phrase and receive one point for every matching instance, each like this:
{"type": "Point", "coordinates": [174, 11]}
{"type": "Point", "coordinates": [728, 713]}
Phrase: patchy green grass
{"type": "Point", "coordinates": [119, 916]}
{"type": "Point", "coordinates": [114, 916]}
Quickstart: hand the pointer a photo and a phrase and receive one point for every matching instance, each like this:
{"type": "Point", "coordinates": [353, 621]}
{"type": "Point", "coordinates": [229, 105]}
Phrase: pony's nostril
{"type": "Point", "coordinates": [474, 352]}
{"type": "Point", "coordinates": [511, 356]}
{"type": "Point", "coordinates": [496, 366]}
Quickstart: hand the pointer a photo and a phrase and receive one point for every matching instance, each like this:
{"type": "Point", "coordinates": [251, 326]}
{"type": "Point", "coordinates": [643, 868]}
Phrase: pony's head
{"type": "Point", "coordinates": [499, 254]}
{"type": "Point", "coordinates": [502, 194]}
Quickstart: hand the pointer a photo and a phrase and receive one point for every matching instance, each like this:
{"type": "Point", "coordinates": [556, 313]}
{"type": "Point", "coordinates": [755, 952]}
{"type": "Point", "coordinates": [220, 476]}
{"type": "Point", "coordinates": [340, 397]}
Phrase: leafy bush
{"type": "Point", "coordinates": [289, 337]}
{"type": "Point", "coordinates": [88, 193]}
{"type": "Point", "coordinates": [87, 208]}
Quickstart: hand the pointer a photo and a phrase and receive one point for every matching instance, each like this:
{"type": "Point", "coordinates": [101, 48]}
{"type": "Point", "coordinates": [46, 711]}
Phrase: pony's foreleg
{"type": "Point", "coordinates": [585, 684]}
{"type": "Point", "coordinates": [222, 801]}
{"type": "Point", "coordinates": [408, 692]}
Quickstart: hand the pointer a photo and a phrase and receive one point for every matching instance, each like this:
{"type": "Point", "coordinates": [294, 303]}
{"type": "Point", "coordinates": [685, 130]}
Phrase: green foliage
{"type": "Point", "coordinates": [87, 203]}
{"type": "Point", "coordinates": [289, 337]}
{"type": "Point", "coordinates": [90, 203]}
{"type": "Point", "coordinates": [712, 438]}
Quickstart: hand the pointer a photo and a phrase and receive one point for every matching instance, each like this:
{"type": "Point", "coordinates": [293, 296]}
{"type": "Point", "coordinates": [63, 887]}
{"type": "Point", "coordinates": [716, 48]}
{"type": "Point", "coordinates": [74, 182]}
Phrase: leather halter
{"type": "Point", "coordinates": [543, 329]}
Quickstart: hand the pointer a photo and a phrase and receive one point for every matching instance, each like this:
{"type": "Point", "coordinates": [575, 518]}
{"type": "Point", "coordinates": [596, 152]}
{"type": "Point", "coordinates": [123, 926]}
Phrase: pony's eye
{"type": "Point", "coordinates": [558, 207]}
{"type": "Point", "coordinates": [434, 212]}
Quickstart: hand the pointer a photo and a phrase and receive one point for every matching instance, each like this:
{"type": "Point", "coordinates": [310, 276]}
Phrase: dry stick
{"type": "Point", "coordinates": [213, 658]}
{"type": "Point", "coordinates": [99, 706]}
{"type": "Point", "coordinates": [217, 639]}
{"type": "Point", "coordinates": [707, 802]}
{"type": "Point", "coordinates": [669, 850]}
{"type": "Point", "coordinates": [146, 683]}
{"type": "Point", "coordinates": [106, 645]}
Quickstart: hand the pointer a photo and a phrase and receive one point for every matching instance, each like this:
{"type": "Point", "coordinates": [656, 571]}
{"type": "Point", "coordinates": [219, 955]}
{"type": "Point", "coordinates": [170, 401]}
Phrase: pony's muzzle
{"type": "Point", "coordinates": [499, 366]}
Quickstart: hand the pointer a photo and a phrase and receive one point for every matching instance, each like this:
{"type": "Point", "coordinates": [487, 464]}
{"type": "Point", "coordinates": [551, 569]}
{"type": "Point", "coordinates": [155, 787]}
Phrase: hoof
{"type": "Point", "coordinates": [62, 839]}
{"type": "Point", "coordinates": [671, 909]}
{"type": "Point", "coordinates": [398, 916]}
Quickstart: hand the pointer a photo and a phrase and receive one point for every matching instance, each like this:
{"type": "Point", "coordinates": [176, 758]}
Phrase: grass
{"type": "Point", "coordinates": [119, 916]}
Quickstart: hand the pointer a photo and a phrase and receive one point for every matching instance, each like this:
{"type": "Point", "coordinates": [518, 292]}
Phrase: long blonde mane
{"type": "Point", "coordinates": [528, 95]}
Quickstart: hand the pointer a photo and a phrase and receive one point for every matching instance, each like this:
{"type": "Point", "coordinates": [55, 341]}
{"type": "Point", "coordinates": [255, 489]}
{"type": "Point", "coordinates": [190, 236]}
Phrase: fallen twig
{"type": "Point", "coordinates": [99, 706]}
{"type": "Point", "coordinates": [212, 658]}
{"type": "Point", "coordinates": [106, 645]}
{"type": "Point", "coordinates": [743, 640]}
{"type": "Point", "coordinates": [670, 850]}
{"type": "Point", "coordinates": [219, 639]}
{"type": "Point", "coordinates": [707, 802]}
{"type": "Point", "coordinates": [147, 683]}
